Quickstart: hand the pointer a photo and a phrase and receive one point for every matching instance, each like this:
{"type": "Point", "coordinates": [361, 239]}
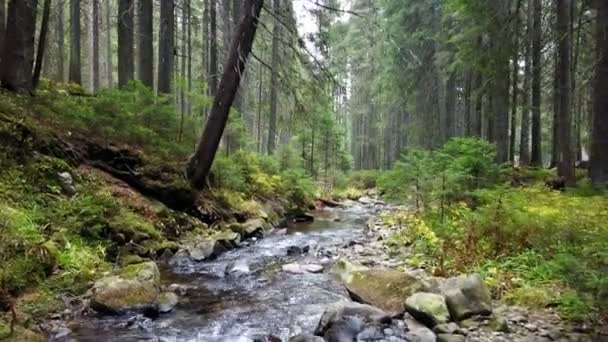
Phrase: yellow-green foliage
{"type": "Point", "coordinates": [363, 179]}
{"type": "Point", "coordinates": [528, 237]}
{"type": "Point", "coordinates": [244, 175]}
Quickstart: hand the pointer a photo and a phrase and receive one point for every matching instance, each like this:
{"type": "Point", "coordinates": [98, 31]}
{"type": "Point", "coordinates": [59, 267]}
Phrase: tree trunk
{"type": "Point", "coordinates": [18, 55]}
{"type": "Point", "coordinates": [75, 67]}
{"type": "Point", "coordinates": [95, 45]}
{"type": "Point", "coordinates": [274, 80]}
{"type": "Point", "coordinates": [565, 155]}
{"type": "Point", "coordinates": [126, 62]}
{"type": "Point", "coordinates": [2, 26]}
{"type": "Point", "coordinates": [146, 44]}
{"type": "Point", "coordinates": [166, 46]}
{"type": "Point", "coordinates": [109, 54]}
{"type": "Point", "coordinates": [201, 161]}
{"type": "Point", "coordinates": [515, 86]}
{"type": "Point", "coordinates": [536, 158]}
{"type": "Point", "coordinates": [524, 144]}
{"type": "Point", "coordinates": [599, 139]}
{"type": "Point", "coordinates": [477, 113]}
{"type": "Point", "coordinates": [44, 27]}
{"type": "Point", "coordinates": [213, 69]}
{"type": "Point", "coordinates": [450, 107]}
{"type": "Point", "coordinates": [60, 41]}
{"type": "Point", "coordinates": [205, 43]}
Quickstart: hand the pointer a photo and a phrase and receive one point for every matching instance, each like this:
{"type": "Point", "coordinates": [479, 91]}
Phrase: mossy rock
{"type": "Point", "coordinates": [131, 259]}
{"type": "Point", "coordinates": [382, 288]}
{"type": "Point", "coordinates": [116, 295]}
{"type": "Point", "coordinates": [135, 289]}
{"type": "Point", "coordinates": [145, 271]}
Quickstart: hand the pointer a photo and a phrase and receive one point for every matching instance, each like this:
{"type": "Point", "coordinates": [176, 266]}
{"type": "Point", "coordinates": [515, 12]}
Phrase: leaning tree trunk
{"type": "Point", "coordinates": [599, 140]}
{"type": "Point", "coordinates": [126, 62]}
{"type": "Point", "coordinates": [213, 69]}
{"type": "Point", "coordinates": [44, 27]}
{"type": "Point", "coordinates": [18, 54]}
{"type": "Point", "coordinates": [75, 66]}
{"type": "Point", "coordinates": [565, 153]}
{"type": "Point", "coordinates": [201, 161]}
{"type": "Point", "coordinates": [165, 46]}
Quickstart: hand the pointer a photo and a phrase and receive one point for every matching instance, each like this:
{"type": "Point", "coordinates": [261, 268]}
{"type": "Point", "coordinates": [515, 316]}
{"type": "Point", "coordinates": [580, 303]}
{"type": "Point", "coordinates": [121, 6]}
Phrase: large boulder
{"type": "Point", "coordinates": [429, 308]}
{"type": "Point", "coordinates": [206, 250]}
{"type": "Point", "coordinates": [383, 288]}
{"type": "Point", "coordinates": [466, 296]}
{"type": "Point", "coordinates": [251, 228]}
{"type": "Point", "coordinates": [339, 311]}
{"type": "Point", "coordinates": [136, 288]}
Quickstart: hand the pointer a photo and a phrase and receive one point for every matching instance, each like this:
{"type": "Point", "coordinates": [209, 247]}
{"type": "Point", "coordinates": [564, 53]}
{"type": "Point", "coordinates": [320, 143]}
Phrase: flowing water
{"type": "Point", "coordinates": [243, 293]}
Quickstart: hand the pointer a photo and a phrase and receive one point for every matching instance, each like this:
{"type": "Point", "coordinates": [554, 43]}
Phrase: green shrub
{"type": "Point", "coordinates": [363, 179]}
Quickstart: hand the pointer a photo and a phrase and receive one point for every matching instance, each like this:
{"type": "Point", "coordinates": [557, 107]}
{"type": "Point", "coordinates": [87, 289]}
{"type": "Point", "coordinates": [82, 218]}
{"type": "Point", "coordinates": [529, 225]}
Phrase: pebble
{"type": "Point", "coordinates": [531, 327]}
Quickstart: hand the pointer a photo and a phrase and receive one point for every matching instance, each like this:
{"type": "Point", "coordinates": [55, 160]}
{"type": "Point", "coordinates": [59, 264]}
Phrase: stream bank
{"type": "Point", "coordinates": [295, 282]}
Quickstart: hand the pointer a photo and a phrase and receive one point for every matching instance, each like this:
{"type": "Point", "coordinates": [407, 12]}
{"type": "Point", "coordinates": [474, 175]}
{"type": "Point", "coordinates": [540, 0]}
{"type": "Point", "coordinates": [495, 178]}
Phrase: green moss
{"type": "Point", "coordinates": [131, 224]}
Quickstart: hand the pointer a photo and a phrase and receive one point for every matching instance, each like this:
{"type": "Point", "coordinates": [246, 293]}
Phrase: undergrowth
{"type": "Point", "coordinates": [534, 246]}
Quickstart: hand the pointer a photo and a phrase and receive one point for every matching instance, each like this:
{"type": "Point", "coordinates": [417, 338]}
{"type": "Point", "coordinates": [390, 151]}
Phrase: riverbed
{"type": "Point", "coordinates": [244, 293]}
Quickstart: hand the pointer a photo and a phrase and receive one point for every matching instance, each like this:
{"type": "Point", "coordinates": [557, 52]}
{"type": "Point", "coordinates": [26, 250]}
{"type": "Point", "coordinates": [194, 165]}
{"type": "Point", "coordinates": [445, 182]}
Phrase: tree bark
{"type": "Point", "coordinates": [500, 87]}
{"type": "Point", "coordinates": [524, 143]}
{"type": "Point", "coordinates": [145, 41]}
{"type": "Point", "coordinates": [75, 66]}
{"type": "Point", "coordinates": [18, 54]}
{"type": "Point", "coordinates": [599, 139]}
{"type": "Point", "coordinates": [565, 155]}
{"type": "Point", "coordinates": [44, 27]}
{"type": "Point", "coordinates": [2, 26]}
{"type": "Point", "coordinates": [213, 68]}
{"type": "Point", "coordinates": [166, 46]}
{"type": "Point", "coordinates": [536, 157]}
{"type": "Point", "coordinates": [274, 80]}
{"type": "Point", "coordinates": [126, 62]}
{"type": "Point", "coordinates": [60, 41]}
{"type": "Point", "coordinates": [109, 54]}
{"type": "Point", "coordinates": [95, 46]}
{"type": "Point", "coordinates": [201, 161]}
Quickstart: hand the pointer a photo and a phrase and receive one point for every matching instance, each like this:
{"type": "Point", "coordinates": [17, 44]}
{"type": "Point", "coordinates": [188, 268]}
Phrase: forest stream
{"type": "Point", "coordinates": [243, 293]}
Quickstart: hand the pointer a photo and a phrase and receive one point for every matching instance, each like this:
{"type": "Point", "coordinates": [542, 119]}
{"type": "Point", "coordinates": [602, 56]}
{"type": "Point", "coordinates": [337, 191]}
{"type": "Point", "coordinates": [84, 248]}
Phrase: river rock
{"type": "Point", "coordinates": [337, 311]}
{"type": "Point", "coordinates": [135, 289]}
{"type": "Point", "coordinates": [366, 200]}
{"type": "Point", "coordinates": [238, 267]}
{"type": "Point", "coordinates": [418, 332]}
{"type": "Point", "coordinates": [306, 338]}
{"type": "Point", "coordinates": [450, 338]}
{"type": "Point", "coordinates": [448, 328]}
{"type": "Point", "coordinates": [67, 183]}
{"type": "Point", "coordinates": [429, 308]}
{"type": "Point", "coordinates": [383, 288]}
{"type": "Point", "coordinates": [167, 301]}
{"type": "Point", "coordinates": [466, 296]}
{"type": "Point", "coordinates": [345, 329]}
{"type": "Point", "coordinates": [251, 228]}
{"type": "Point", "coordinates": [206, 250]}
{"type": "Point", "coordinates": [297, 250]}
{"type": "Point", "coordinates": [301, 269]}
